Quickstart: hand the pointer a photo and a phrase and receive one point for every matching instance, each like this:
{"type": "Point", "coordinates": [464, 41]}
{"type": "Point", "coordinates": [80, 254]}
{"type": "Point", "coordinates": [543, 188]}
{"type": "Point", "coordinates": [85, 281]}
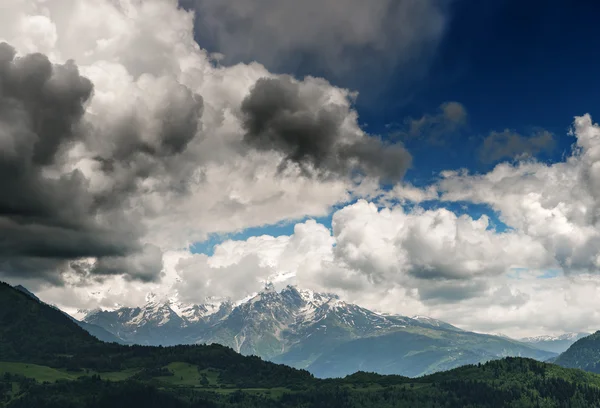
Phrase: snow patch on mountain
{"type": "Point", "coordinates": [558, 337]}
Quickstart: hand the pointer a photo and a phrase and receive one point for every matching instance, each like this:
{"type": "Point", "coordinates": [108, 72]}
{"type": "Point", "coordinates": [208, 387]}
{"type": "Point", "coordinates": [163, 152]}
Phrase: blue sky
{"type": "Point", "coordinates": [522, 66]}
{"type": "Point", "coordinates": [512, 64]}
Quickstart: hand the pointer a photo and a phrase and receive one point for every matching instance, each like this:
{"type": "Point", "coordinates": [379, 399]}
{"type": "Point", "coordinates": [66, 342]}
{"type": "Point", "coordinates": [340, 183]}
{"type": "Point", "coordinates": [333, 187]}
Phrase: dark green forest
{"type": "Point", "coordinates": [47, 361]}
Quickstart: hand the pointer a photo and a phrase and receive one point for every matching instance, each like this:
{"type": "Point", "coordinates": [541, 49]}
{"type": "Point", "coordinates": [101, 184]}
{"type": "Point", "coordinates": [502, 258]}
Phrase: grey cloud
{"type": "Point", "coordinates": [435, 128]}
{"type": "Point", "coordinates": [145, 265]}
{"type": "Point", "coordinates": [511, 145]}
{"type": "Point", "coordinates": [49, 216]}
{"type": "Point", "coordinates": [234, 281]}
{"type": "Point", "coordinates": [278, 117]}
{"type": "Point", "coordinates": [450, 291]}
{"type": "Point", "coordinates": [334, 35]}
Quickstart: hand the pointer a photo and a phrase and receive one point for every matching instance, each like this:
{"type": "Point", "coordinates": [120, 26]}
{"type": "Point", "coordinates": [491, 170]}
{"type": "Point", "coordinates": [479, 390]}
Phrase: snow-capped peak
{"type": "Point", "coordinates": [425, 319]}
{"type": "Point", "coordinates": [558, 337]}
{"type": "Point", "coordinates": [151, 297]}
{"type": "Point", "coordinates": [315, 298]}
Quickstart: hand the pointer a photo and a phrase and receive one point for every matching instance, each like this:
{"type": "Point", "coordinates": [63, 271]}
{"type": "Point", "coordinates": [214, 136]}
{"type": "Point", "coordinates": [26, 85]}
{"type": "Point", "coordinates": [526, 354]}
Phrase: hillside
{"type": "Point", "coordinates": [583, 354]}
{"type": "Point", "coordinates": [513, 382]}
{"type": "Point", "coordinates": [417, 352]}
{"type": "Point", "coordinates": [96, 331]}
{"type": "Point", "coordinates": [59, 365]}
{"type": "Point", "coordinates": [32, 331]}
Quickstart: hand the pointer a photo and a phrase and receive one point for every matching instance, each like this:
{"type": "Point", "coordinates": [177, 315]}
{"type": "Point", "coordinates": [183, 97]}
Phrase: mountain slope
{"type": "Point", "coordinates": [583, 354]}
{"type": "Point", "coordinates": [25, 324]}
{"type": "Point", "coordinates": [313, 331]}
{"type": "Point", "coordinates": [96, 331]}
{"type": "Point", "coordinates": [417, 351]}
{"type": "Point", "coordinates": [555, 344]}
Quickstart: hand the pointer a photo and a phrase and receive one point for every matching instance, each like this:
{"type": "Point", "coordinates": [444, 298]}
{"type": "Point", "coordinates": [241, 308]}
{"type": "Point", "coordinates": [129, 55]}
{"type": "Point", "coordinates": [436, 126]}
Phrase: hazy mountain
{"type": "Point", "coordinates": [315, 331]}
{"type": "Point", "coordinates": [415, 351]}
{"type": "Point", "coordinates": [555, 344]}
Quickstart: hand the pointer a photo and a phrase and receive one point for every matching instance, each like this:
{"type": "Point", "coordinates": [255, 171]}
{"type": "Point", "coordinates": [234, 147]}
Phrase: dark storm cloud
{"type": "Point", "coordinates": [49, 217]}
{"type": "Point", "coordinates": [278, 117]}
{"type": "Point", "coordinates": [511, 145]}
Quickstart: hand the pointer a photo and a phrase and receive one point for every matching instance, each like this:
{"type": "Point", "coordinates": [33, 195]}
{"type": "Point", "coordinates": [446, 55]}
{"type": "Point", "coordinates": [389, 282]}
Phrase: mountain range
{"type": "Point", "coordinates": [48, 361]}
{"type": "Point", "coordinates": [318, 332]}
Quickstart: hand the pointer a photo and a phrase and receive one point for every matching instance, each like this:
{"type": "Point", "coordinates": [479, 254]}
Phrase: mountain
{"type": "Point", "coordinates": [25, 324]}
{"type": "Point", "coordinates": [583, 354]}
{"type": "Point", "coordinates": [314, 331]}
{"type": "Point", "coordinates": [416, 351]}
{"type": "Point", "coordinates": [158, 322]}
{"type": "Point", "coordinates": [555, 344]}
{"type": "Point", "coordinates": [48, 361]}
{"type": "Point", "coordinates": [96, 331]}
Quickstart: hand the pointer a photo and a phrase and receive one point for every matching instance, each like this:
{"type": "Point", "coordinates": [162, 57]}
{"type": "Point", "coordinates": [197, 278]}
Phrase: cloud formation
{"type": "Point", "coordinates": [557, 205]}
{"type": "Point", "coordinates": [47, 214]}
{"type": "Point", "coordinates": [309, 130]}
{"type": "Point", "coordinates": [328, 33]}
{"type": "Point", "coordinates": [112, 165]}
{"type": "Point", "coordinates": [433, 128]}
{"type": "Point", "coordinates": [142, 146]}
{"type": "Point", "coordinates": [511, 145]}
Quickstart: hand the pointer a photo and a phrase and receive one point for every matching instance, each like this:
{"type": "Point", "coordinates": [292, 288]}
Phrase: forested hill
{"type": "Point", "coordinates": [47, 361]}
{"type": "Point", "coordinates": [32, 331]}
{"type": "Point", "coordinates": [583, 354]}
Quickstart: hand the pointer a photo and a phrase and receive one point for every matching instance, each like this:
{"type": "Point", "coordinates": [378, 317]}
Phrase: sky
{"type": "Point", "coordinates": [431, 157]}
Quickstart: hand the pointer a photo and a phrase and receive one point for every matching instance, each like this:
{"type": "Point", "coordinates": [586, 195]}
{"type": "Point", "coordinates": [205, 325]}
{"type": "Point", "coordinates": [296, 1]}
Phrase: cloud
{"type": "Point", "coordinates": [47, 211]}
{"type": "Point", "coordinates": [334, 35]}
{"type": "Point", "coordinates": [234, 281]}
{"type": "Point", "coordinates": [369, 259]}
{"type": "Point", "coordinates": [431, 251]}
{"type": "Point", "coordinates": [148, 145]}
{"type": "Point", "coordinates": [556, 205]}
{"type": "Point", "coordinates": [433, 128]}
{"type": "Point", "coordinates": [511, 145]}
{"type": "Point", "coordinates": [298, 121]}
{"type": "Point", "coordinates": [139, 147]}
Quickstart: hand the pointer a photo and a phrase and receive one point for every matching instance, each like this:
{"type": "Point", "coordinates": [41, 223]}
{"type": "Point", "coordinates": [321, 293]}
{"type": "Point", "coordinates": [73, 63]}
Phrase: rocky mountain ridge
{"type": "Point", "coordinates": [304, 329]}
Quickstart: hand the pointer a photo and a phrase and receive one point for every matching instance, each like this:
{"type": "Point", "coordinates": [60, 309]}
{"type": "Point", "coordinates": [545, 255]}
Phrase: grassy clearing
{"type": "Point", "coordinates": [36, 372]}
{"type": "Point", "coordinates": [268, 392]}
{"type": "Point", "coordinates": [188, 375]}
{"type": "Point", "coordinates": [184, 375]}
{"type": "Point", "coordinates": [43, 373]}
{"type": "Point", "coordinates": [118, 375]}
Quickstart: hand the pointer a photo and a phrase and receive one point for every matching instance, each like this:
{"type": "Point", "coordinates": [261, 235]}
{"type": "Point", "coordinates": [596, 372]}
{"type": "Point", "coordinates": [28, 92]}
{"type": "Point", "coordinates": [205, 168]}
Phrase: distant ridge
{"type": "Point", "coordinates": [557, 343]}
